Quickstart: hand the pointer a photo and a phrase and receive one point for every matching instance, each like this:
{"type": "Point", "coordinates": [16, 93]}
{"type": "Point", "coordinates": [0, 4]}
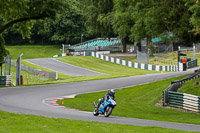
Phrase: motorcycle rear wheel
{"type": "Point", "coordinates": [108, 111]}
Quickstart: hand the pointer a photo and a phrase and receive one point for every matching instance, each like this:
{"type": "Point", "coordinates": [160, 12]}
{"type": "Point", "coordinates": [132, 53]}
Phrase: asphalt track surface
{"type": "Point", "coordinates": [61, 67]}
{"type": "Point", "coordinates": [30, 100]}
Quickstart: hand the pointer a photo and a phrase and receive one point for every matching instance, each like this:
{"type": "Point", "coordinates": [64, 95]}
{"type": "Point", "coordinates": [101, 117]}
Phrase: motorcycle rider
{"type": "Point", "coordinates": [111, 94]}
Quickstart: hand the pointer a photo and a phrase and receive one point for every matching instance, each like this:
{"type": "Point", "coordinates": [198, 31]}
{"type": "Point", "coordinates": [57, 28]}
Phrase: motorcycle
{"type": "Point", "coordinates": [105, 108]}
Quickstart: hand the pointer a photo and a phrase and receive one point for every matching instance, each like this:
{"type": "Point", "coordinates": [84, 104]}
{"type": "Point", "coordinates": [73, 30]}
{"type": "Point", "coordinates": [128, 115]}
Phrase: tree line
{"type": "Point", "coordinates": [69, 21]}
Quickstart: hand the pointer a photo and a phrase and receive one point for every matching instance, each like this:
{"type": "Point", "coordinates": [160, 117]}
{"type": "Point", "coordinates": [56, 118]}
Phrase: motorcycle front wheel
{"type": "Point", "coordinates": [108, 111]}
{"type": "Point", "coordinates": [95, 112]}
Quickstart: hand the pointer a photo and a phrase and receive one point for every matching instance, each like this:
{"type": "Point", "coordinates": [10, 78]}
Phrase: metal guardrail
{"type": "Point", "coordinates": [5, 80]}
{"type": "Point", "coordinates": [182, 100]}
{"type": "Point", "coordinates": [191, 64]}
{"type": "Point", "coordinates": [134, 64]}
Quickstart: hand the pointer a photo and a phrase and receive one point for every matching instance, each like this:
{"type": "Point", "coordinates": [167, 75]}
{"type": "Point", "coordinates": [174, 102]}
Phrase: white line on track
{"type": "Point", "coordinates": [79, 67]}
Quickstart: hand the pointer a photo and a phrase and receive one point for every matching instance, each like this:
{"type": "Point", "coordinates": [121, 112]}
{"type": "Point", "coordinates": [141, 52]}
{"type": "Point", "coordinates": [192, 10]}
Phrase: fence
{"type": "Point", "coordinates": [184, 101]}
{"type": "Point", "coordinates": [143, 57]}
{"type": "Point", "coordinates": [181, 100]}
{"type": "Point", "coordinates": [7, 68]}
{"type": "Point", "coordinates": [165, 61]}
{"type": "Point", "coordinates": [178, 67]}
{"type": "Point", "coordinates": [30, 79]}
{"type": "Point", "coordinates": [191, 64]}
{"type": "Point", "coordinates": [37, 72]}
{"type": "Point", "coordinates": [135, 64]}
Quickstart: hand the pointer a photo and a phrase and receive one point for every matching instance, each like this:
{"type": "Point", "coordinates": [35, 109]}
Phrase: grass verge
{"type": "Point", "coordinates": [34, 51]}
{"type": "Point", "coordinates": [137, 102]}
{"type": "Point", "coordinates": [112, 70]}
{"type": "Point", "coordinates": [191, 87]}
{"type": "Point", "coordinates": [171, 56]}
{"type": "Point", "coordinates": [18, 123]}
{"type": "Point", "coordinates": [105, 67]}
{"type": "Point", "coordinates": [29, 78]}
{"type": "Point", "coordinates": [60, 75]}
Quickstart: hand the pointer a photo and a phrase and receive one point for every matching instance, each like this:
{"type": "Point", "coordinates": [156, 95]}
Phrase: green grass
{"type": "Point", "coordinates": [33, 51]}
{"type": "Point", "coordinates": [60, 75]}
{"type": "Point", "coordinates": [191, 87]}
{"type": "Point", "coordinates": [137, 102]}
{"type": "Point", "coordinates": [18, 123]}
{"type": "Point", "coordinates": [171, 56]}
{"type": "Point", "coordinates": [152, 61]}
{"type": "Point", "coordinates": [114, 70]}
{"type": "Point", "coordinates": [29, 78]}
{"type": "Point", "coordinates": [110, 69]}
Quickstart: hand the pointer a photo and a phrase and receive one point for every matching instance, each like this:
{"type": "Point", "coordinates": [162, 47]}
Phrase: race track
{"type": "Point", "coordinates": [29, 100]}
{"type": "Point", "coordinates": [61, 67]}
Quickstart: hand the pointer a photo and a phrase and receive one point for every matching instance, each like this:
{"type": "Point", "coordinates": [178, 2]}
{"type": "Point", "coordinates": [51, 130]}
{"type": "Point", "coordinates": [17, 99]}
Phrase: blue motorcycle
{"type": "Point", "coordinates": [105, 108]}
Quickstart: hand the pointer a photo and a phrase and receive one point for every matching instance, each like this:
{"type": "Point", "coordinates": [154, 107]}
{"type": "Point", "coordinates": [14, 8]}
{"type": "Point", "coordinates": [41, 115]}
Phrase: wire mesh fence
{"type": "Point", "coordinates": [143, 57]}
{"type": "Point", "coordinates": [30, 79]}
{"type": "Point", "coordinates": [7, 65]}
{"type": "Point", "coordinates": [163, 61]}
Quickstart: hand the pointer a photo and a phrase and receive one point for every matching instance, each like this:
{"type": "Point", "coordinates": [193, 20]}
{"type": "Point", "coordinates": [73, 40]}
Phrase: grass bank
{"type": "Point", "coordinates": [167, 56]}
{"type": "Point", "coordinates": [33, 51]}
{"type": "Point", "coordinates": [29, 78]}
{"type": "Point", "coordinates": [137, 102]}
{"type": "Point", "coordinates": [191, 87]}
{"type": "Point", "coordinates": [18, 123]}
{"type": "Point", "coordinates": [105, 67]}
{"type": "Point", "coordinates": [110, 70]}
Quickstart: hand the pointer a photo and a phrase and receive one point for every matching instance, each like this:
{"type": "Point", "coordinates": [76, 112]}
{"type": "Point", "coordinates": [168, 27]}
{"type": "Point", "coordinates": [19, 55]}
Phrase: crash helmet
{"type": "Point", "coordinates": [112, 91]}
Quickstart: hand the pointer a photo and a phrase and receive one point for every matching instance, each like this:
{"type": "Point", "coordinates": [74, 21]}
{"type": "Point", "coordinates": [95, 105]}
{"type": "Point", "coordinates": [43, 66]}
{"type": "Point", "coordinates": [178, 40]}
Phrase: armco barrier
{"type": "Point", "coordinates": [182, 100]}
{"type": "Point", "coordinates": [5, 80]}
{"type": "Point", "coordinates": [135, 64]}
{"type": "Point", "coordinates": [192, 64]}
{"type": "Point", "coordinates": [178, 67]}
{"type": "Point", "coordinates": [37, 72]}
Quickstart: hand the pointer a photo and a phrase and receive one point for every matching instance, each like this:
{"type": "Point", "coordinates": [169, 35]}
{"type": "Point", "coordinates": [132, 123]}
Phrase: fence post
{"type": "Point", "coordinates": [18, 71]}
{"type": "Point", "coordinates": [193, 52]}
{"type": "Point", "coordinates": [165, 97]}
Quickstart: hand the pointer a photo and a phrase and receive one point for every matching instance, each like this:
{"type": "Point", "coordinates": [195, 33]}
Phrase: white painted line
{"type": "Point", "coordinates": [112, 60]}
{"type": "Point", "coordinates": [41, 66]}
{"type": "Point", "coordinates": [136, 65]}
{"type": "Point", "coordinates": [142, 66]}
{"type": "Point", "coordinates": [149, 67]}
{"type": "Point", "coordinates": [107, 58]}
{"type": "Point", "coordinates": [130, 64]}
{"type": "Point", "coordinates": [102, 57]}
{"type": "Point", "coordinates": [117, 61]}
{"type": "Point", "coordinates": [81, 67]}
{"type": "Point", "coordinates": [157, 68]}
{"type": "Point", "coordinates": [92, 53]}
{"type": "Point", "coordinates": [123, 62]}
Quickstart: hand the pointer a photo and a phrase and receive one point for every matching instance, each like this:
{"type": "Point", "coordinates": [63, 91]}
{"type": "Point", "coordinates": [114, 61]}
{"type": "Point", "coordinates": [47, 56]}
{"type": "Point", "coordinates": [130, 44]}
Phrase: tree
{"type": "Point", "coordinates": [121, 20]}
{"type": "Point", "coordinates": [23, 13]}
{"type": "Point", "coordinates": [194, 8]}
{"type": "Point", "coordinates": [157, 18]}
{"type": "Point", "coordinates": [67, 27]}
{"type": "Point", "coordinates": [99, 17]}
{"type": "Point", "coordinates": [3, 51]}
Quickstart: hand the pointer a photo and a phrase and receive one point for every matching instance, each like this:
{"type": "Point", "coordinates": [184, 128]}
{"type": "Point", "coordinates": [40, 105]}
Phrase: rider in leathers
{"type": "Point", "coordinates": [111, 93]}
